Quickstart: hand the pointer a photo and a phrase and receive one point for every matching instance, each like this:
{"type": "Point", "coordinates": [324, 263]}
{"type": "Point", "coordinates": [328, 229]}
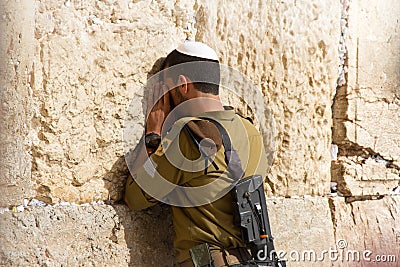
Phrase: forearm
{"type": "Point", "coordinates": [135, 197]}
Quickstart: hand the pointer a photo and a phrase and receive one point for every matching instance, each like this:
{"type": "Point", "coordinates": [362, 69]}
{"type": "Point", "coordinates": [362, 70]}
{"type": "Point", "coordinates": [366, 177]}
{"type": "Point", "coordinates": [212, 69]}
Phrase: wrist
{"type": "Point", "coordinates": [149, 128]}
{"type": "Point", "coordinates": [152, 140]}
{"type": "Point", "coordinates": [147, 132]}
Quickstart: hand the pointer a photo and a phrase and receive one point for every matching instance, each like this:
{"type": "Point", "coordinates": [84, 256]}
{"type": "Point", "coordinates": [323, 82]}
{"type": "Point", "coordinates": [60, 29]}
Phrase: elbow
{"type": "Point", "coordinates": [130, 206]}
{"type": "Point", "coordinates": [135, 205]}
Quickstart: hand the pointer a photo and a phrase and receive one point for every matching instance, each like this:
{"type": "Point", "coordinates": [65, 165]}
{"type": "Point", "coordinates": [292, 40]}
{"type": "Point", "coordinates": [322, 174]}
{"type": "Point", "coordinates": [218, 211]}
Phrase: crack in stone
{"type": "Point", "coordinates": [332, 210]}
{"type": "Point", "coordinates": [355, 121]}
{"type": "Point", "coordinates": [351, 199]}
{"type": "Point", "coordinates": [349, 149]}
{"type": "Point", "coordinates": [352, 213]}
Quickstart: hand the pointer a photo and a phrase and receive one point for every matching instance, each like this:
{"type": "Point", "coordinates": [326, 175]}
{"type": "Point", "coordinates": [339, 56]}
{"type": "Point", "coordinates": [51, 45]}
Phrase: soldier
{"type": "Point", "coordinates": [189, 153]}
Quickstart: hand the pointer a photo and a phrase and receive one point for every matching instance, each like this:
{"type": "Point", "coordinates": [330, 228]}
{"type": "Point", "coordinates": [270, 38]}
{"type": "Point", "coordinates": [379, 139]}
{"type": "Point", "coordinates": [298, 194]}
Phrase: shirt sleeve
{"type": "Point", "coordinates": [257, 158]}
{"type": "Point", "coordinates": [159, 175]}
{"type": "Point", "coordinates": [135, 197]}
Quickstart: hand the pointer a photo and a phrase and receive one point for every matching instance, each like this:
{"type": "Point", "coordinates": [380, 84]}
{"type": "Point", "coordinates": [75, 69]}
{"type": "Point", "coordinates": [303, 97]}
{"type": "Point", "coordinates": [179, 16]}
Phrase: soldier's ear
{"type": "Point", "coordinates": [183, 83]}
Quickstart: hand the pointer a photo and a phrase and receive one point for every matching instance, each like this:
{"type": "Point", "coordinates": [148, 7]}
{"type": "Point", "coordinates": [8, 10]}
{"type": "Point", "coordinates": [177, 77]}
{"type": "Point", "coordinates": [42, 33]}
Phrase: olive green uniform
{"type": "Point", "coordinates": [212, 222]}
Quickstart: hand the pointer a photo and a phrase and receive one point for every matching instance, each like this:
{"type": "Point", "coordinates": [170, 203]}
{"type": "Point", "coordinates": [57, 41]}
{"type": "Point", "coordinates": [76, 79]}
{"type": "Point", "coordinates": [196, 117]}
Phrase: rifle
{"type": "Point", "coordinates": [251, 215]}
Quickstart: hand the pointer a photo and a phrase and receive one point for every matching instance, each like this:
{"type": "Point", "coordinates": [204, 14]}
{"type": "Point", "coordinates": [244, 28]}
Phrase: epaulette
{"type": "Point", "coordinates": [246, 118]}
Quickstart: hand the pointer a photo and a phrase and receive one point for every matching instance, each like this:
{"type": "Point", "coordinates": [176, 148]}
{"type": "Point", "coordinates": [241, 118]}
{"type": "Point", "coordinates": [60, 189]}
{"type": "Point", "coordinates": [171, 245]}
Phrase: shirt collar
{"type": "Point", "coordinates": [228, 114]}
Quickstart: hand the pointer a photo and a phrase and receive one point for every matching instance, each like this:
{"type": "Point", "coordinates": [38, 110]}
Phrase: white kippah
{"type": "Point", "coordinates": [197, 49]}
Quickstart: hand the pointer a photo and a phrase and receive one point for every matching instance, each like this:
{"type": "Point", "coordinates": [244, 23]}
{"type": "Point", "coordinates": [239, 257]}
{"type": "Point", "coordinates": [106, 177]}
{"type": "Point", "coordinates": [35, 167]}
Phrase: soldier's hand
{"type": "Point", "coordinates": [158, 106]}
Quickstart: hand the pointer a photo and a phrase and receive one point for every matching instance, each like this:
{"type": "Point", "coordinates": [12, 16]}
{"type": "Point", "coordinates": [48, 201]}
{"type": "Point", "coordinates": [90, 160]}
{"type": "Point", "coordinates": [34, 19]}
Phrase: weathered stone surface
{"type": "Point", "coordinates": [370, 229]}
{"type": "Point", "coordinates": [373, 50]}
{"type": "Point", "coordinates": [369, 122]}
{"type": "Point", "coordinates": [16, 53]}
{"type": "Point", "coordinates": [86, 236]}
{"type": "Point", "coordinates": [104, 235]}
{"type": "Point", "coordinates": [288, 49]}
{"type": "Point", "coordinates": [92, 59]}
{"type": "Point", "coordinates": [69, 69]}
{"type": "Point", "coordinates": [307, 231]}
{"type": "Point", "coordinates": [303, 229]}
{"type": "Point", "coordinates": [358, 177]}
{"type": "Point", "coordinates": [366, 109]}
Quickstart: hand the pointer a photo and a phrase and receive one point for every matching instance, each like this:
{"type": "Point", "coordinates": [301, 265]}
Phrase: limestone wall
{"type": "Point", "coordinates": [289, 50]}
{"type": "Point", "coordinates": [366, 109]}
{"type": "Point", "coordinates": [16, 64]}
{"type": "Point", "coordinates": [92, 58]}
{"type": "Point", "coordinates": [69, 70]}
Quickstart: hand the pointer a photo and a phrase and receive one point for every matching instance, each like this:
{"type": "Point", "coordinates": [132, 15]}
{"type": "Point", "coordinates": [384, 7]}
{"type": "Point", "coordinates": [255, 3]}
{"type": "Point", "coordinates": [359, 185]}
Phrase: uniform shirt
{"type": "Point", "coordinates": [212, 221]}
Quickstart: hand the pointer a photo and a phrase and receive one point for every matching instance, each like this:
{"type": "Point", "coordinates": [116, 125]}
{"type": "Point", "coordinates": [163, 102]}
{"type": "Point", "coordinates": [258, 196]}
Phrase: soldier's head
{"type": "Point", "coordinates": [192, 69]}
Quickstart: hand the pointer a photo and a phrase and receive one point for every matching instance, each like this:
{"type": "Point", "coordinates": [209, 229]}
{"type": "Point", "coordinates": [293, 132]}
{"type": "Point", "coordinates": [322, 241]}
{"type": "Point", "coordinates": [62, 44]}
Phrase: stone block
{"type": "Point", "coordinates": [366, 109]}
{"type": "Point", "coordinates": [91, 60]}
{"type": "Point", "coordinates": [368, 232]}
{"type": "Point", "coordinates": [370, 118]}
{"type": "Point", "coordinates": [356, 176]}
{"type": "Point", "coordinates": [289, 50]}
{"type": "Point", "coordinates": [104, 235]}
{"type": "Point", "coordinates": [371, 124]}
{"type": "Point", "coordinates": [98, 235]}
{"type": "Point", "coordinates": [16, 54]}
{"type": "Point", "coordinates": [303, 229]}
{"type": "Point", "coordinates": [373, 59]}
{"type": "Point", "coordinates": [310, 231]}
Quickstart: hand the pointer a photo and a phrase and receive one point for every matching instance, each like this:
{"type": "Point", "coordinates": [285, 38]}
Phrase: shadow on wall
{"type": "Point", "coordinates": [115, 179]}
{"type": "Point", "coordinates": [148, 233]}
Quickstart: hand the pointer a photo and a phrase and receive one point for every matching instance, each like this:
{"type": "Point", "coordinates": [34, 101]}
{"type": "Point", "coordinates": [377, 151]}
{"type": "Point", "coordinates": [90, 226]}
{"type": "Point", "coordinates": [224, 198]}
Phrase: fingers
{"type": "Point", "coordinates": [164, 89]}
{"type": "Point", "coordinates": [167, 100]}
{"type": "Point", "coordinates": [150, 98]}
{"type": "Point", "coordinates": [153, 96]}
{"type": "Point", "coordinates": [157, 92]}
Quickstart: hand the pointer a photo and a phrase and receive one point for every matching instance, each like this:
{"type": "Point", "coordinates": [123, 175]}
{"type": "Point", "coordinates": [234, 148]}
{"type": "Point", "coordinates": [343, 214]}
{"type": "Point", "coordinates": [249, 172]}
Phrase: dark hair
{"type": "Point", "coordinates": [205, 70]}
